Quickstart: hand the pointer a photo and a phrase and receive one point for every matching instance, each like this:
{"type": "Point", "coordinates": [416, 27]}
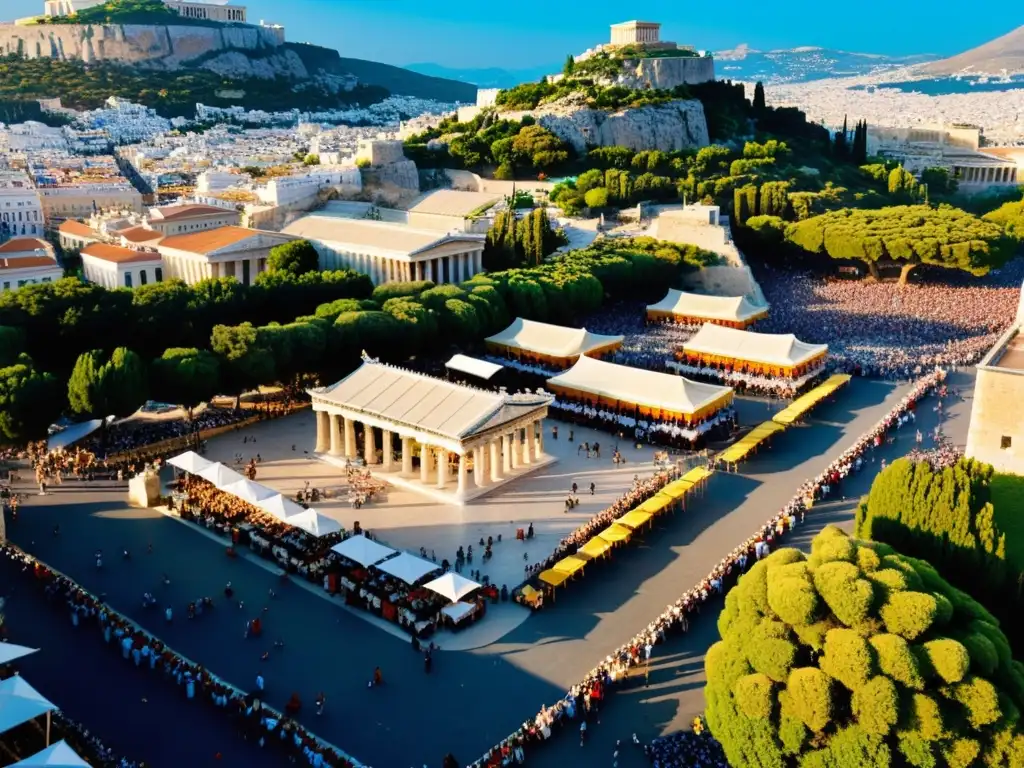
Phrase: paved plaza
{"type": "Point", "coordinates": [486, 692]}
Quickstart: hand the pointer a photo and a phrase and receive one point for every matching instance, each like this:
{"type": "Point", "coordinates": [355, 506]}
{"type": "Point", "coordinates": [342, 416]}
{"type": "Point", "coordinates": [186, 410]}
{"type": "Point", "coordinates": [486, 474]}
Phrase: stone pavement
{"type": "Point", "coordinates": [472, 699]}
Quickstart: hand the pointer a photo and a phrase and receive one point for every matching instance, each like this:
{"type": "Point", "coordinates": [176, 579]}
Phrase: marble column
{"type": "Point", "coordinates": [388, 451]}
{"type": "Point", "coordinates": [430, 271]}
{"type": "Point", "coordinates": [463, 474]}
{"type": "Point", "coordinates": [406, 455]}
{"type": "Point", "coordinates": [516, 450]}
{"type": "Point", "coordinates": [442, 467]}
{"type": "Point", "coordinates": [323, 428]}
{"type": "Point", "coordinates": [540, 439]}
{"type": "Point", "coordinates": [479, 262]}
{"type": "Point", "coordinates": [335, 448]}
{"type": "Point", "coordinates": [479, 468]}
{"type": "Point", "coordinates": [506, 454]}
{"type": "Point", "coordinates": [527, 446]}
{"type": "Point", "coordinates": [419, 270]}
{"type": "Point", "coordinates": [495, 459]}
{"type": "Point", "coordinates": [369, 445]}
{"type": "Point", "coordinates": [424, 463]}
{"type": "Point", "coordinates": [350, 438]}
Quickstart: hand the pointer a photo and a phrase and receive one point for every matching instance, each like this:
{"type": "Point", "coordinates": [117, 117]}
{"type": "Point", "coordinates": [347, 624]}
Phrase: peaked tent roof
{"type": "Point", "coordinates": [280, 507]}
{"type": "Point", "coordinates": [482, 369]}
{"type": "Point", "coordinates": [10, 651]}
{"type": "Point", "coordinates": [58, 755]}
{"type": "Point", "coordinates": [735, 309]}
{"type": "Point", "coordinates": [247, 490]}
{"type": "Point", "coordinates": [768, 348]}
{"type": "Point", "coordinates": [637, 386]}
{"type": "Point", "coordinates": [190, 461]}
{"type": "Point", "coordinates": [408, 568]}
{"type": "Point", "coordinates": [219, 475]}
{"type": "Point", "coordinates": [551, 340]}
{"type": "Point", "coordinates": [362, 550]}
{"type": "Point", "coordinates": [452, 585]}
{"type": "Point", "coordinates": [20, 702]}
{"type": "Point", "coordinates": [312, 522]}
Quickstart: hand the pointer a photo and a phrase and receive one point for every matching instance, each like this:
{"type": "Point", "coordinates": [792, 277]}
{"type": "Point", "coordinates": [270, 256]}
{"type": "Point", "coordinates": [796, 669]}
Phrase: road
{"type": "Point", "coordinates": [472, 699]}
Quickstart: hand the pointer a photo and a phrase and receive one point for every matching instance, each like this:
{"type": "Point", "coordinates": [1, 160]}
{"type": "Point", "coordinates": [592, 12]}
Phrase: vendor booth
{"type": "Point", "coordinates": [314, 523]}
{"type": "Point", "coordinates": [58, 755]}
{"type": "Point", "coordinates": [697, 309]}
{"type": "Point", "coordinates": [550, 346]}
{"type": "Point", "coordinates": [648, 394]}
{"type": "Point", "coordinates": [799, 407]}
{"type": "Point", "coordinates": [190, 462]}
{"type": "Point", "coordinates": [763, 354]}
{"type": "Point", "coordinates": [362, 550]}
{"type": "Point", "coordinates": [749, 443]}
{"type": "Point", "coordinates": [219, 475]}
{"type": "Point", "coordinates": [473, 366]}
{"type": "Point", "coordinates": [408, 568]}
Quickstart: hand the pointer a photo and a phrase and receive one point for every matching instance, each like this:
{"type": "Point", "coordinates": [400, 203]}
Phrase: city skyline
{"type": "Point", "coordinates": [417, 33]}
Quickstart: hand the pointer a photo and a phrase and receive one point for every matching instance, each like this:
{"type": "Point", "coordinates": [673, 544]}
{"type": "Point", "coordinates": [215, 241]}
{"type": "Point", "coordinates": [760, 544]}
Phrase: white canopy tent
{"type": "Point", "coordinates": [220, 475]}
{"type": "Point", "coordinates": [474, 366]}
{"type": "Point", "coordinates": [552, 340]}
{"type": "Point", "coordinates": [452, 585]}
{"type": "Point", "coordinates": [249, 491]}
{"type": "Point", "coordinates": [723, 309]}
{"type": "Point", "coordinates": [280, 507]}
{"type": "Point", "coordinates": [58, 755]}
{"type": "Point", "coordinates": [20, 702]}
{"type": "Point", "coordinates": [636, 386]}
{"type": "Point", "coordinates": [362, 550]}
{"type": "Point", "coordinates": [190, 461]}
{"type": "Point", "coordinates": [314, 523]}
{"type": "Point", "coordinates": [74, 433]}
{"type": "Point", "coordinates": [9, 652]}
{"type": "Point", "coordinates": [780, 349]}
{"type": "Point", "coordinates": [408, 568]}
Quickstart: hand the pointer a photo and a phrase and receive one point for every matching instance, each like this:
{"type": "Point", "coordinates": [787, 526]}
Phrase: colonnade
{"type": "Point", "coordinates": [453, 268]}
{"type": "Point", "coordinates": [988, 175]}
{"type": "Point", "coordinates": [495, 457]}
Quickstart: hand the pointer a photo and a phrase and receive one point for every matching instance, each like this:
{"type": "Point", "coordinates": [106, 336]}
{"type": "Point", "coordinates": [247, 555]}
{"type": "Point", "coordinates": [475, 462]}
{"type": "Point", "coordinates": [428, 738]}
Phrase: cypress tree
{"type": "Point", "coordinates": [839, 148]}
{"type": "Point", "coordinates": [759, 103]}
{"type": "Point", "coordinates": [570, 66]}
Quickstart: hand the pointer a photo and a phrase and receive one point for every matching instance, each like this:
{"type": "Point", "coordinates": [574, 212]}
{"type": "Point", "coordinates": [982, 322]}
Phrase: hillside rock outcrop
{"type": "Point", "coordinates": [666, 73]}
{"type": "Point", "coordinates": [674, 125]}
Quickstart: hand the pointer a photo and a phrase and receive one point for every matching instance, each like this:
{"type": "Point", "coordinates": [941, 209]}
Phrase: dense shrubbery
{"type": "Point", "coordinates": [964, 519]}
{"type": "Point", "coordinates": [1010, 216]}
{"type": "Point", "coordinates": [512, 242]}
{"type": "Point", "coordinates": [859, 656]}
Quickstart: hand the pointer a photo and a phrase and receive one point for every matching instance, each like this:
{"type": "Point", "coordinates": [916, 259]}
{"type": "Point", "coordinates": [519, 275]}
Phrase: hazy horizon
{"type": "Point", "coordinates": [403, 32]}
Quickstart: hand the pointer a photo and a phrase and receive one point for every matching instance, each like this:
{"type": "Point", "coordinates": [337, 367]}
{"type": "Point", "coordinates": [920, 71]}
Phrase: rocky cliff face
{"type": "Point", "coordinates": [234, 51]}
{"type": "Point", "coordinates": [666, 73]}
{"type": "Point", "coordinates": [671, 126]}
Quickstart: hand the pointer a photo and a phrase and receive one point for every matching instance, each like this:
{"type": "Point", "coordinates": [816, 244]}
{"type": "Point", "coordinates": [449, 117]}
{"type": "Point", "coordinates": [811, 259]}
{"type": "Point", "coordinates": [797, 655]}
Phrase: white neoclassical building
{"type": "Point", "coordinates": [391, 252]}
{"type": "Point", "coordinates": [466, 441]}
{"type": "Point", "coordinates": [21, 208]}
{"type": "Point", "coordinates": [230, 251]}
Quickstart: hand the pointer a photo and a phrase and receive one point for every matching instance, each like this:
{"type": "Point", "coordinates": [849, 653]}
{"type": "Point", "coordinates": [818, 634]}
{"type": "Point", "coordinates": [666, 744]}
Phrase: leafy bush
{"type": "Point", "coordinates": [794, 681]}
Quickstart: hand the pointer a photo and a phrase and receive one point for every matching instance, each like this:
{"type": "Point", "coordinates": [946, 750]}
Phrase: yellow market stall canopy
{"type": "Point", "coordinates": [662, 396]}
{"type": "Point", "coordinates": [743, 447]}
{"type": "Point", "coordinates": [546, 344]}
{"type": "Point", "coordinates": [765, 354]}
{"type": "Point", "coordinates": [695, 309]}
{"type": "Point", "coordinates": [804, 403]}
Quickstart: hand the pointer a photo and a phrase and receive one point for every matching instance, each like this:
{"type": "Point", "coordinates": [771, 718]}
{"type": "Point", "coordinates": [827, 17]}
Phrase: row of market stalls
{"type": "Point", "coordinates": [761, 354]}
{"type": "Point", "coordinates": [225, 479]}
{"type": "Point", "coordinates": [20, 703]}
{"type": "Point", "coordinates": [697, 309]}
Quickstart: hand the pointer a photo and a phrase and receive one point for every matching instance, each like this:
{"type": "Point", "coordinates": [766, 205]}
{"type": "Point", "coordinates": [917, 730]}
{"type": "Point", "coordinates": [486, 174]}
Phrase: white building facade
{"type": "Point", "coordinates": [225, 252]}
{"type": "Point", "coordinates": [27, 261]}
{"type": "Point", "coordinates": [115, 267]}
{"type": "Point", "coordinates": [21, 208]}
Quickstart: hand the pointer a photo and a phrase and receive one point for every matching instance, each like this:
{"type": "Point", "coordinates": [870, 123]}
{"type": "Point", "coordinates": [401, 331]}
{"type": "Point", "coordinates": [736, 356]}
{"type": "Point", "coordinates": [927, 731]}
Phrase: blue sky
{"type": "Point", "coordinates": [507, 35]}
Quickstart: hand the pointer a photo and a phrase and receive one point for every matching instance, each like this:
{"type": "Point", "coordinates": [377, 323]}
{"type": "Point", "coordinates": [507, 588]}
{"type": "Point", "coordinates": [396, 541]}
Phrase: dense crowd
{"type": "Point", "coordinates": [129, 435]}
{"type": "Point", "coordinates": [645, 429]}
{"type": "Point", "coordinates": [687, 749]}
{"type": "Point", "coordinates": [894, 331]}
{"type": "Point", "coordinates": [583, 701]}
{"type": "Point", "coordinates": [252, 716]}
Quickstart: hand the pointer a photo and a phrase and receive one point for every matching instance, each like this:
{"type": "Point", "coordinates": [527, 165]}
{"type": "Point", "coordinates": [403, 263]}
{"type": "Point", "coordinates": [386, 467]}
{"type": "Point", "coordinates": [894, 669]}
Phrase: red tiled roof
{"type": "Point", "coordinates": [139, 234]}
{"type": "Point", "coordinates": [77, 228]}
{"type": "Point", "coordinates": [190, 210]}
{"type": "Point", "coordinates": [24, 244]}
{"type": "Point", "coordinates": [209, 240]}
{"type": "Point", "coordinates": [26, 262]}
{"type": "Point", "coordinates": [115, 254]}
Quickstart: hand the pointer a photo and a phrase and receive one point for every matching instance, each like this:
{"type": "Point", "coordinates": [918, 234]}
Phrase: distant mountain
{"type": "Point", "coordinates": [801, 65]}
{"type": "Point", "coordinates": [489, 77]}
{"type": "Point", "coordinates": [1006, 52]}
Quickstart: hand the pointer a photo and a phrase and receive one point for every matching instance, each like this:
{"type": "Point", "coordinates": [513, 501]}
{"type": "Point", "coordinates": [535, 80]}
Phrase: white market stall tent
{"type": "Point", "coordinates": [9, 652]}
{"type": "Point", "coordinates": [190, 462]}
{"type": "Point", "coordinates": [74, 433]}
{"type": "Point", "coordinates": [20, 702]}
{"type": "Point", "coordinates": [698, 308]}
{"type": "Point", "coordinates": [552, 344]}
{"type": "Point", "coordinates": [247, 490]}
{"type": "Point", "coordinates": [58, 755]}
{"type": "Point", "coordinates": [280, 507]}
{"type": "Point", "coordinates": [715, 343]}
{"type": "Point", "coordinates": [452, 585]}
{"type": "Point", "coordinates": [362, 550]}
{"type": "Point", "coordinates": [314, 523]}
{"type": "Point", "coordinates": [408, 568]}
{"type": "Point", "coordinates": [220, 475]}
{"type": "Point", "coordinates": [474, 366]}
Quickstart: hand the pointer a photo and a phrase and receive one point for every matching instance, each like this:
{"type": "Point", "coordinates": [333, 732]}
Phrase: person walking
{"type": "Point", "coordinates": [260, 682]}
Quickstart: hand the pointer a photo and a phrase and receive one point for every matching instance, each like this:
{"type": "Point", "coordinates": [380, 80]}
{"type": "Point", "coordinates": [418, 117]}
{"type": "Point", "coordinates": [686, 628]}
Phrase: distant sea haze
{"type": "Point", "coordinates": [946, 86]}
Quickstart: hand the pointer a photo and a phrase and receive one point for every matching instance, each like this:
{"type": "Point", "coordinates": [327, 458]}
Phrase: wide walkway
{"type": "Point", "coordinates": [473, 698]}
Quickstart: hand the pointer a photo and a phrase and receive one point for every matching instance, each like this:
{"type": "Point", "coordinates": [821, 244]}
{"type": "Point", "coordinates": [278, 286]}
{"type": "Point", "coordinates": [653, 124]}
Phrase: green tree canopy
{"type": "Point", "coordinates": [186, 376]}
{"type": "Point", "coordinates": [245, 362]}
{"type": "Point", "coordinates": [1010, 216]}
{"type": "Point", "coordinates": [123, 382]}
{"type": "Point", "coordinates": [296, 258]}
{"type": "Point", "coordinates": [83, 394]}
{"type": "Point", "coordinates": [30, 401]}
{"type": "Point", "coordinates": [908, 234]}
{"type": "Point", "coordinates": [859, 656]}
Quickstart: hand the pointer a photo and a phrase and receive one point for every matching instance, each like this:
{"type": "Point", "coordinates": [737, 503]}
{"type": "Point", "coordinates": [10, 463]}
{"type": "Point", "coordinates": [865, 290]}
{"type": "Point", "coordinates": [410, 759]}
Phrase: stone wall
{"type": "Point", "coordinates": [998, 412]}
{"type": "Point", "coordinates": [393, 184]}
{"type": "Point", "coordinates": [667, 72]}
{"type": "Point", "coordinates": [165, 47]}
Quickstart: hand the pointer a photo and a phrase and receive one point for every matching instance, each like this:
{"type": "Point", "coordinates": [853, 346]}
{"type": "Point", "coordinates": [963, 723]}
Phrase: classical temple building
{"type": "Point", "coordinates": [449, 441]}
{"type": "Point", "coordinates": [212, 10]}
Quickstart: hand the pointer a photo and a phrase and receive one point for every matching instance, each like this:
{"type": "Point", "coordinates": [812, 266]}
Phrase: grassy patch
{"type": "Point", "coordinates": [1007, 493]}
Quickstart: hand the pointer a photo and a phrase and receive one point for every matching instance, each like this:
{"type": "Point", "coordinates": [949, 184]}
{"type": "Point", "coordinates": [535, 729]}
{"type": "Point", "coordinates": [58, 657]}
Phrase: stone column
{"type": "Point", "coordinates": [527, 446]}
{"type": "Point", "coordinates": [463, 474]}
{"type": "Point", "coordinates": [424, 463]}
{"type": "Point", "coordinates": [388, 451]}
{"type": "Point", "coordinates": [369, 445]}
{"type": "Point", "coordinates": [540, 439]}
{"type": "Point", "coordinates": [350, 438]}
{"type": "Point", "coordinates": [516, 450]}
{"type": "Point", "coordinates": [430, 271]}
{"type": "Point", "coordinates": [479, 467]}
{"type": "Point", "coordinates": [336, 448]}
{"type": "Point", "coordinates": [495, 449]}
{"type": "Point", "coordinates": [506, 454]}
{"type": "Point", "coordinates": [406, 455]}
{"type": "Point", "coordinates": [442, 467]}
{"type": "Point", "coordinates": [323, 428]}
{"type": "Point", "coordinates": [479, 260]}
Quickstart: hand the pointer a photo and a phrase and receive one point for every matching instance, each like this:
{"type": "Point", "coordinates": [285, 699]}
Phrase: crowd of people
{"type": "Point", "coordinates": [253, 717]}
{"type": "Point", "coordinates": [629, 661]}
{"type": "Point", "coordinates": [646, 429]}
{"type": "Point", "coordinates": [748, 383]}
{"type": "Point", "coordinates": [687, 749]}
